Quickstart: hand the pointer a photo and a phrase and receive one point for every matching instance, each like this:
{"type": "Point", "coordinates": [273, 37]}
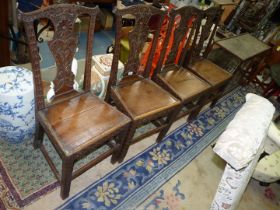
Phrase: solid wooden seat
{"type": "Point", "coordinates": [169, 73]}
{"type": "Point", "coordinates": [135, 94]}
{"type": "Point", "coordinates": [211, 72]}
{"type": "Point", "coordinates": [77, 123]}
{"type": "Point", "coordinates": [143, 97]}
{"type": "Point", "coordinates": [184, 84]}
{"type": "Point", "coordinates": [199, 48]}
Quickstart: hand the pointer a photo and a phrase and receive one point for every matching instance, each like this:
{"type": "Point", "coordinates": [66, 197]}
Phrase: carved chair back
{"type": "Point", "coordinates": [63, 47]}
{"type": "Point", "coordinates": [182, 25]}
{"type": "Point", "coordinates": [137, 38]}
{"type": "Point", "coordinates": [205, 32]}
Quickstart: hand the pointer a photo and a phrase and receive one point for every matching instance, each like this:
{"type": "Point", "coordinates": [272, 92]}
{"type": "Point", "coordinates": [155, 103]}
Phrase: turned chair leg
{"type": "Point", "coordinates": [38, 136]}
{"type": "Point", "coordinates": [66, 177]}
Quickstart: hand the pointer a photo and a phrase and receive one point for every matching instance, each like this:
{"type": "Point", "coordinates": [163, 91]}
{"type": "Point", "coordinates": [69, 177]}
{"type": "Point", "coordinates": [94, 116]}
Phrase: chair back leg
{"type": "Point", "coordinates": [39, 135]}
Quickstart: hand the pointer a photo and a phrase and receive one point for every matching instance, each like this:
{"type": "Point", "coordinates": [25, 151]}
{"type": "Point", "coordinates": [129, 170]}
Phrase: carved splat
{"type": "Point", "coordinates": [184, 32]}
{"type": "Point", "coordinates": [62, 46]}
{"type": "Point", "coordinates": [188, 19]}
{"type": "Point", "coordinates": [139, 35]}
{"type": "Point", "coordinates": [137, 38]}
{"type": "Point", "coordinates": [207, 30]}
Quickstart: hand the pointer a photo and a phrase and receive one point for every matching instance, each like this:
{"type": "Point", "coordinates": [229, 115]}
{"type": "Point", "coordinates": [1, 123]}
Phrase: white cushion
{"type": "Point", "coordinates": [268, 168]}
{"type": "Point", "coordinates": [243, 136]}
{"type": "Point", "coordinates": [274, 134]}
{"type": "Point", "coordinates": [270, 146]}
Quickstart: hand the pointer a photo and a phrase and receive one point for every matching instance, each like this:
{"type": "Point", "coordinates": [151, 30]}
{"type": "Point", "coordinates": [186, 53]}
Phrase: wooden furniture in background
{"type": "Point", "coordinates": [267, 76]}
{"type": "Point", "coordinates": [136, 95]}
{"type": "Point", "coordinates": [228, 7]}
{"type": "Point", "coordinates": [179, 81]}
{"type": "Point", "coordinates": [76, 123]}
{"type": "Point", "coordinates": [274, 87]}
{"type": "Point", "coordinates": [95, 1]}
{"type": "Point", "coordinates": [249, 51]}
{"type": "Point", "coordinates": [4, 33]}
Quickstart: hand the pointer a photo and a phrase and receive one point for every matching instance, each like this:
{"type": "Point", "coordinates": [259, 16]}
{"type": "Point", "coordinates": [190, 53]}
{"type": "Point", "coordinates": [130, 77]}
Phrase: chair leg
{"type": "Point", "coordinates": [39, 135]}
{"type": "Point", "coordinates": [170, 119]}
{"type": "Point", "coordinates": [218, 96]}
{"type": "Point", "coordinates": [66, 177]}
{"type": "Point", "coordinates": [196, 111]}
{"type": "Point", "coordinates": [213, 103]}
{"type": "Point", "coordinates": [120, 140]}
{"type": "Point", "coordinates": [126, 143]}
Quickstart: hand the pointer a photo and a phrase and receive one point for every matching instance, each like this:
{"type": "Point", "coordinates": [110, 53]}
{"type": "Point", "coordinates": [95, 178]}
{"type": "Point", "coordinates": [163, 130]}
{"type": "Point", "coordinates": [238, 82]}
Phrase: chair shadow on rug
{"type": "Point", "coordinates": [76, 122]}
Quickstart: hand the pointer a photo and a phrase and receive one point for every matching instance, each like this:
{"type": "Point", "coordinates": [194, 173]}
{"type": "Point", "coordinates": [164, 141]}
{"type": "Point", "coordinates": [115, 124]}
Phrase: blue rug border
{"type": "Point", "coordinates": [180, 163]}
{"type": "Point", "coordinates": [122, 205]}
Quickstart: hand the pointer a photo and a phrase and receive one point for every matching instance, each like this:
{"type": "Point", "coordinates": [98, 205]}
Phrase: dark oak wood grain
{"type": "Point", "coordinates": [136, 95]}
{"type": "Point", "coordinates": [184, 26]}
{"type": "Point", "coordinates": [77, 123]}
{"type": "Point", "coordinates": [4, 33]}
{"type": "Point", "coordinates": [197, 60]}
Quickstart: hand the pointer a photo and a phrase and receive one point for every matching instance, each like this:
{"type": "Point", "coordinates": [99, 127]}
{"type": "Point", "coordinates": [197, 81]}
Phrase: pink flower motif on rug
{"type": "Point", "coordinates": [268, 193]}
{"type": "Point", "coordinates": [167, 200]}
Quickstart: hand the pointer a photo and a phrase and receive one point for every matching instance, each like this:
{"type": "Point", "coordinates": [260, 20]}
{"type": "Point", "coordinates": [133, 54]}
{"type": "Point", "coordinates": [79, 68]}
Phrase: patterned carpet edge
{"type": "Point", "coordinates": [177, 165]}
{"type": "Point", "coordinates": [148, 188]}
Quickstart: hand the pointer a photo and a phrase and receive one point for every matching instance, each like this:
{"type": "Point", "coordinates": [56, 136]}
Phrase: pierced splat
{"type": "Point", "coordinates": [207, 29]}
{"type": "Point", "coordinates": [188, 20]}
{"type": "Point", "coordinates": [138, 36]}
{"type": "Point", "coordinates": [62, 46]}
{"type": "Point", "coordinates": [184, 33]}
{"type": "Point", "coordinates": [76, 123]}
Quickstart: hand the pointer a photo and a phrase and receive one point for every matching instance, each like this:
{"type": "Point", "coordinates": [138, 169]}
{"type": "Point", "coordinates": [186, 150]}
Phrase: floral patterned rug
{"type": "Point", "coordinates": [194, 187]}
{"type": "Point", "coordinates": [131, 183]}
{"type": "Point", "coordinates": [25, 175]}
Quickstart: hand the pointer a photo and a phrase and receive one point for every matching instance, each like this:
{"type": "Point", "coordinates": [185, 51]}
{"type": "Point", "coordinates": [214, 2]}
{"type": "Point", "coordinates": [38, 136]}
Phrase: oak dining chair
{"type": "Point", "coordinates": [196, 59]}
{"type": "Point", "coordinates": [169, 73]}
{"type": "Point", "coordinates": [76, 122]}
{"type": "Point", "coordinates": [145, 102]}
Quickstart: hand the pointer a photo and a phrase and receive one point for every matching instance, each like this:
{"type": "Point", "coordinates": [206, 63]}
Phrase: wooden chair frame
{"type": "Point", "coordinates": [186, 33]}
{"type": "Point", "coordinates": [132, 75]}
{"type": "Point", "coordinates": [205, 37]}
{"type": "Point", "coordinates": [63, 47]}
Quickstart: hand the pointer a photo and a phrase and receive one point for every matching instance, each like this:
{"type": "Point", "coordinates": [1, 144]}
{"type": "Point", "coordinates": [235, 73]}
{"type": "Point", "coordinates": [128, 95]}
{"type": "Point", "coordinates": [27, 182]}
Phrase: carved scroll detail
{"type": "Point", "coordinates": [138, 36]}
{"type": "Point", "coordinates": [63, 45]}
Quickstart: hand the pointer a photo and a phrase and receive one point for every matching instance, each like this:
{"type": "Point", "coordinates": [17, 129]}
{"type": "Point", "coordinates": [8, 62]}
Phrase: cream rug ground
{"type": "Point", "coordinates": [194, 188]}
{"type": "Point", "coordinates": [156, 167]}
